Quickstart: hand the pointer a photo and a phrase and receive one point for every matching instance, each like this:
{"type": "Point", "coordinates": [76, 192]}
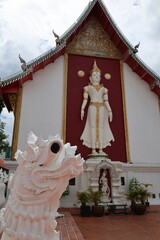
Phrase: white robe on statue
{"type": "Point", "coordinates": [97, 119]}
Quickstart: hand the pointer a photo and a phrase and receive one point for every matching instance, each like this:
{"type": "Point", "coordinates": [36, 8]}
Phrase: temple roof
{"type": "Point", "coordinates": [95, 8]}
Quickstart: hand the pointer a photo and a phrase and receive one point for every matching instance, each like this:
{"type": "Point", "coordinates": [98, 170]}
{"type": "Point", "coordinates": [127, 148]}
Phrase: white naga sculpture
{"type": "Point", "coordinates": [97, 133]}
{"type": "Point", "coordinates": [44, 170]}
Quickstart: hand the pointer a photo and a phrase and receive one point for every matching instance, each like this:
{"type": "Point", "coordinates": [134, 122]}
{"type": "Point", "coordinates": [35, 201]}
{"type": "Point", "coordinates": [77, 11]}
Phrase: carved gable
{"type": "Point", "coordinates": [92, 40]}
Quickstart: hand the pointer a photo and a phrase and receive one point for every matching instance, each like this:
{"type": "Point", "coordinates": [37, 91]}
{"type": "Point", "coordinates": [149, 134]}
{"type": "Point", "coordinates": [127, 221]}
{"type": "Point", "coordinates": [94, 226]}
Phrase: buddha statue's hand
{"type": "Point", "coordinates": [110, 116]}
{"type": "Point", "coordinates": [82, 114]}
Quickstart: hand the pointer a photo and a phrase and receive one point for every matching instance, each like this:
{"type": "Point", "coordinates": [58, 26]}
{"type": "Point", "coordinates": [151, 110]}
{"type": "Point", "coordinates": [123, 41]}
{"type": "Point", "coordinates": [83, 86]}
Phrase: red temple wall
{"type": "Point", "coordinates": [75, 84]}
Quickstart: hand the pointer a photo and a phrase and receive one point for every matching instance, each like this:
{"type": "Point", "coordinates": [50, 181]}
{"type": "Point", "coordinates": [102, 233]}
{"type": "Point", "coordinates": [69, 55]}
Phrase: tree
{"type": "Point", "coordinates": [4, 144]}
{"type": "Point", "coordinates": [1, 104]}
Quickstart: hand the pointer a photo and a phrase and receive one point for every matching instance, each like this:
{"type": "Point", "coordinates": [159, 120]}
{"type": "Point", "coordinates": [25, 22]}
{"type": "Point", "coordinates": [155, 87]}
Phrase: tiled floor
{"type": "Point", "coordinates": [120, 227]}
{"type": "Point", "coordinates": [68, 228]}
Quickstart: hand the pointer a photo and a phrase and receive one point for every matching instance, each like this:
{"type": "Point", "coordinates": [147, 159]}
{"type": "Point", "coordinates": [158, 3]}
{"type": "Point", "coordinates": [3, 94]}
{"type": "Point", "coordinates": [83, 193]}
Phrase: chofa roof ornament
{"type": "Point", "coordinates": [24, 64]}
{"type": "Point", "coordinates": [58, 40]}
{"type": "Point", "coordinates": [135, 49]}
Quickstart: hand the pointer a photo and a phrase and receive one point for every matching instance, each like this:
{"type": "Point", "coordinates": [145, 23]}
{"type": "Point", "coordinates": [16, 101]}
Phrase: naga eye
{"type": "Point", "coordinates": [55, 147]}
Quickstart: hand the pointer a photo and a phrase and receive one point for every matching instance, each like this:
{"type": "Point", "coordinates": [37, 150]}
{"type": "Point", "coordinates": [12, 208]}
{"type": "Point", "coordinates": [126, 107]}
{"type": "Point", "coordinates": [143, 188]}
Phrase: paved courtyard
{"type": "Point", "coordinates": [119, 227]}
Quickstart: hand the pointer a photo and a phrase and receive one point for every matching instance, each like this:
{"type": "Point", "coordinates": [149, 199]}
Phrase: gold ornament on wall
{"type": "Point", "coordinates": [81, 73]}
{"type": "Point", "coordinates": [107, 76]}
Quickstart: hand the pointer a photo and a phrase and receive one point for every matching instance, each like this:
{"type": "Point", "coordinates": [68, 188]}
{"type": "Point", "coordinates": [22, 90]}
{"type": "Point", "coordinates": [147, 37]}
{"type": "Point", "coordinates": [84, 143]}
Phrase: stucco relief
{"type": "Point", "coordinates": [93, 40]}
{"type": "Point", "coordinates": [97, 133]}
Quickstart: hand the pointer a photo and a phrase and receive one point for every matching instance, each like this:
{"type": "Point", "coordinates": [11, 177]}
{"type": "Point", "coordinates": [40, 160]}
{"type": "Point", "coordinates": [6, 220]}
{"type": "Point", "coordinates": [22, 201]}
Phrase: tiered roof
{"type": "Point", "coordinates": [98, 9]}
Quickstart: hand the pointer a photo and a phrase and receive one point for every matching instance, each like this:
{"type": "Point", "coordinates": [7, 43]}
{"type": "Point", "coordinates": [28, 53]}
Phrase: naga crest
{"type": "Point", "coordinates": [44, 170]}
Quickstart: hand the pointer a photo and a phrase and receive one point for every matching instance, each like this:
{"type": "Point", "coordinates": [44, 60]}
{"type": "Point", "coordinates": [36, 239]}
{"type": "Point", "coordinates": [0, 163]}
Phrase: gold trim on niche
{"type": "Point", "coordinates": [125, 113]}
{"type": "Point", "coordinates": [64, 97]}
{"type": "Point", "coordinates": [17, 114]}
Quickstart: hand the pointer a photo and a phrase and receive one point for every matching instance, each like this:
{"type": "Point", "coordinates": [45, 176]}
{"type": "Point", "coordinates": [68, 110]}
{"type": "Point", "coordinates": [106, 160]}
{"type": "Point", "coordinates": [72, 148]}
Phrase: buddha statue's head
{"type": "Point", "coordinates": [95, 74]}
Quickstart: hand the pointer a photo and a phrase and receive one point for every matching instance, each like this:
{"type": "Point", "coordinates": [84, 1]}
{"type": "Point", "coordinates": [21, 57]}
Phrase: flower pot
{"type": "Point", "coordinates": [132, 207]}
{"type": "Point", "coordinates": [98, 211]}
{"type": "Point", "coordinates": [139, 209]}
{"type": "Point", "coordinates": [85, 211]}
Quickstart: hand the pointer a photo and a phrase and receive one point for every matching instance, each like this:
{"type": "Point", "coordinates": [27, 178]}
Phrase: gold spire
{"type": "Point", "coordinates": [95, 68]}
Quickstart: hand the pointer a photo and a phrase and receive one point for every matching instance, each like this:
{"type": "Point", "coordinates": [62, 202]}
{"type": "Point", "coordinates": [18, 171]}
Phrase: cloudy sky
{"type": "Point", "coordinates": [26, 29]}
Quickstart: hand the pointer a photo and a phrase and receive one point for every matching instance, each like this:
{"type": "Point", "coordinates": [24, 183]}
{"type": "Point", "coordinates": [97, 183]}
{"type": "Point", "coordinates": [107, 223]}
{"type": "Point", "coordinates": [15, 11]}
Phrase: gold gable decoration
{"type": "Point", "coordinates": [12, 99]}
{"type": "Point", "coordinates": [92, 40]}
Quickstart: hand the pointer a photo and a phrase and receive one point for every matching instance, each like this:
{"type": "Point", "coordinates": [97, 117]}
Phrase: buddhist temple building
{"type": "Point", "coordinates": [46, 98]}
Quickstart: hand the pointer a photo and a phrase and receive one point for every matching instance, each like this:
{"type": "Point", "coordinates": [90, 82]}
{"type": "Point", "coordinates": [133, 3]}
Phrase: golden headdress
{"type": "Point", "coordinates": [95, 68]}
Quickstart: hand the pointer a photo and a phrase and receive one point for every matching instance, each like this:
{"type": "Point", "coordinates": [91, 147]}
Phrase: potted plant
{"type": "Point", "coordinates": [95, 197]}
{"type": "Point", "coordinates": [131, 196]}
{"type": "Point", "coordinates": [85, 210]}
{"type": "Point", "coordinates": [146, 185]}
{"type": "Point", "coordinates": [137, 195]}
{"type": "Point", "coordinates": [66, 192]}
{"type": "Point", "coordinates": [134, 185]}
{"type": "Point", "coordinates": [141, 196]}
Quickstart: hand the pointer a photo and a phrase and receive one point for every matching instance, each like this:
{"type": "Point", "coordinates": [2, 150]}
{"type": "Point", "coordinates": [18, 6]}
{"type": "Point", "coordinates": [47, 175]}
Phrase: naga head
{"type": "Point", "coordinates": [48, 153]}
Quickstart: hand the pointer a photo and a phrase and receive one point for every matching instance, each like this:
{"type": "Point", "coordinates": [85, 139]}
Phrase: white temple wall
{"type": "Point", "coordinates": [42, 112]}
{"type": "Point", "coordinates": [143, 116]}
{"type": "Point", "coordinates": [154, 179]}
{"type": "Point", "coordinates": [71, 199]}
{"type": "Point", "coordinates": [42, 103]}
{"type": "Point", "coordinates": [144, 174]}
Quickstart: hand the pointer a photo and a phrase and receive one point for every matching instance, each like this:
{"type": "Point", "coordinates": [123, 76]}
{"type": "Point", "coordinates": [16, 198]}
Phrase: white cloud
{"type": "Point", "coordinates": [25, 25]}
{"type": "Point", "coordinates": [26, 28]}
{"type": "Point", "coordinates": [140, 23]}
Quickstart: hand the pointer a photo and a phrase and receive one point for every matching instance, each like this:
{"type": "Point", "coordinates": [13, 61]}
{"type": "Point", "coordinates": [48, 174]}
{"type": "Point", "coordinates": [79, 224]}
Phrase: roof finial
{"type": "Point", "coordinates": [135, 49]}
{"type": "Point", "coordinates": [24, 65]}
{"type": "Point", "coordinates": [58, 40]}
